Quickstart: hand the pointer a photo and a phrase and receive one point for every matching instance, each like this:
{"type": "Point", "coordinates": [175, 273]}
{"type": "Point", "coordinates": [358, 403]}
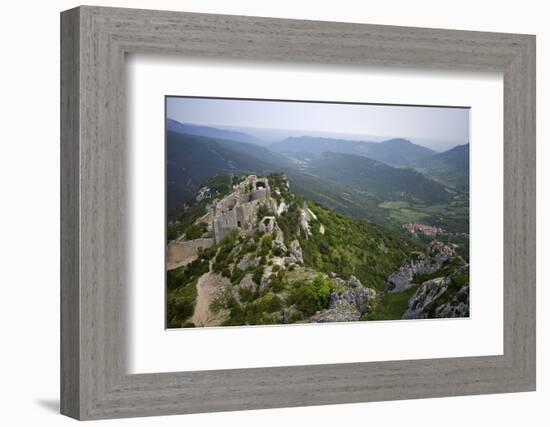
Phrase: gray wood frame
{"type": "Point", "coordinates": [94, 41]}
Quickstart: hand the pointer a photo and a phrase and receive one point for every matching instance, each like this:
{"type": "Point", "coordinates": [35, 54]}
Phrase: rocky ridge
{"type": "Point", "coordinates": [441, 297]}
{"type": "Point", "coordinates": [429, 262]}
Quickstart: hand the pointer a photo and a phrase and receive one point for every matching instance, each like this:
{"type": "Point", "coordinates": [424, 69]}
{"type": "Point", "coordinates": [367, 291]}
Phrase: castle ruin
{"type": "Point", "coordinates": [236, 211]}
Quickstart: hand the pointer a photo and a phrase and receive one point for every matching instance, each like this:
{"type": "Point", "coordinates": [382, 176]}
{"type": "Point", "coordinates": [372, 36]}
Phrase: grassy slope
{"type": "Point", "coordinates": [393, 305]}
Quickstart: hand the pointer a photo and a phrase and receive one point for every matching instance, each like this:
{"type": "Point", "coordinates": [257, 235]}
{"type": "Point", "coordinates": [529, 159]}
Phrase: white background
{"type": "Point", "coordinates": [29, 215]}
{"type": "Point", "coordinates": [152, 349]}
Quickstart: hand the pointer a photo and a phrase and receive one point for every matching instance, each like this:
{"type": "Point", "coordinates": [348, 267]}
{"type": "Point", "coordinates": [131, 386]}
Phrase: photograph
{"type": "Point", "coordinates": [291, 212]}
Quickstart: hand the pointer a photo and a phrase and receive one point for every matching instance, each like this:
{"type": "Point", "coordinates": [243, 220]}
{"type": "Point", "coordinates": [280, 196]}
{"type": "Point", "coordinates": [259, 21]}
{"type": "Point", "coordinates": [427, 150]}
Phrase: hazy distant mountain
{"type": "Point", "coordinates": [267, 136]}
{"type": "Point", "coordinates": [208, 131]}
{"type": "Point", "coordinates": [397, 152]}
{"type": "Point", "coordinates": [192, 159]}
{"type": "Point", "coordinates": [451, 167]}
{"type": "Point", "coordinates": [369, 176]}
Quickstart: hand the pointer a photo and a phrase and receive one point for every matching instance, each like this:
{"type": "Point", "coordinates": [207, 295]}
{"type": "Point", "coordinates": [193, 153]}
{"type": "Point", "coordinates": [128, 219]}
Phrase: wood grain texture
{"type": "Point", "coordinates": [94, 272]}
{"type": "Point", "coordinates": [70, 297]}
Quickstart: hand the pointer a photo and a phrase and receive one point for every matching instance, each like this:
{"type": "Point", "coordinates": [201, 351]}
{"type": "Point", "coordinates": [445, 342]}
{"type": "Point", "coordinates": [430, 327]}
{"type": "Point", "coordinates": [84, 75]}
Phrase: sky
{"type": "Point", "coordinates": [422, 125]}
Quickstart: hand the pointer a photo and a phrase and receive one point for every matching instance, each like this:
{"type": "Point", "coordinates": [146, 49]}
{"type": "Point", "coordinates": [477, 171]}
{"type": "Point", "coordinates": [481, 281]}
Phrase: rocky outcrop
{"type": "Point", "coordinates": [442, 297]}
{"type": "Point", "coordinates": [348, 305]}
{"type": "Point", "coordinates": [295, 252]}
{"type": "Point", "coordinates": [279, 241]}
{"type": "Point", "coordinates": [338, 314]}
{"type": "Point", "coordinates": [247, 283]}
{"type": "Point", "coordinates": [248, 261]}
{"type": "Point", "coordinates": [429, 262]}
{"type": "Point", "coordinates": [426, 294]}
{"type": "Point", "coordinates": [459, 306]}
{"type": "Point", "coordinates": [291, 314]}
{"type": "Point", "coordinates": [360, 298]}
{"type": "Point", "coordinates": [354, 282]}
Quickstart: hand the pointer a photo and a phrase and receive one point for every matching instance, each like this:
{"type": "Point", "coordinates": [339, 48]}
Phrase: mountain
{"type": "Point", "coordinates": [369, 176]}
{"type": "Point", "coordinates": [208, 131]}
{"type": "Point", "coordinates": [352, 185]}
{"type": "Point", "coordinates": [399, 152]}
{"type": "Point", "coordinates": [396, 152]}
{"type": "Point", "coordinates": [292, 260]}
{"type": "Point", "coordinates": [192, 159]}
{"type": "Point", "coordinates": [451, 167]}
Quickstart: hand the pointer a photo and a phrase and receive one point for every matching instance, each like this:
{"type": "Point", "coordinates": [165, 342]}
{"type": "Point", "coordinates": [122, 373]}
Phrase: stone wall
{"type": "Point", "coordinates": [179, 252]}
{"type": "Point", "coordinates": [239, 209]}
{"type": "Point", "coordinates": [227, 204]}
{"type": "Point", "coordinates": [246, 215]}
{"type": "Point", "coordinates": [224, 224]}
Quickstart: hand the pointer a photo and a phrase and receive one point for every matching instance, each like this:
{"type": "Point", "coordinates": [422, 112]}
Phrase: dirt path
{"type": "Point", "coordinates": [209, 286]}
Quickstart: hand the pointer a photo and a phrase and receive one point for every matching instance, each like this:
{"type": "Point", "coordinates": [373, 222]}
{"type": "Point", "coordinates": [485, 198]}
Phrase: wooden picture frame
{"type": "Point", "coordinates": [94, 382]}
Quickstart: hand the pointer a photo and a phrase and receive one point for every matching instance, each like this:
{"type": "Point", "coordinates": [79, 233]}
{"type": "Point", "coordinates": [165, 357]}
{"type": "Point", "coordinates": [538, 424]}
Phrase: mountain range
{"type": "Point", "coordinates": [208, 131]}
{"type": "Point", "coordinates": [395, 152]}
{"type": "Point", "coordinates": [352, 177]}
{"type": "Point", "coordinates": [192, 159]}
{"type": "Point", "coordinates": [451, 167]}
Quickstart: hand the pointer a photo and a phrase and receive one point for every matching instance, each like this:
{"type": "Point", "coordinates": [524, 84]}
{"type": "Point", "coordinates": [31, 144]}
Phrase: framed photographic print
{"type": "Point", "coordinates": [262, 213]}
{"type": "Point", "coordinates": [286, 212]}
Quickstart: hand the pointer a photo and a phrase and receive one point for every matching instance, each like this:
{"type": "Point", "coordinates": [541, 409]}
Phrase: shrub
{"type": "Point", "coordinates": [237, 275]}
{"type": "Point", "coordinates": [263, 210]}
{"type": "Point", "coordinates": [246, 294]}
{"type": "Point", "coordinates": [276, 284]}
{"type": "Point", "coordinates": [277, 251]}
{"type": "Point", "coordinates": [250, 247]}
{"type": "Point", "coordinates": [181, 304]}
{"type": "Point", "coordinates": [195, 231]}
{"type": "Point", "coordinates": [267, 241]}
{"type": "Point", "coordinates": [312, 296]}
{"type": "Point", "coordinates": [226, 272]}
{"type": "Point", "coordinates": [275, 304]}
{"type": "Point", "coordinates": [258, 273]}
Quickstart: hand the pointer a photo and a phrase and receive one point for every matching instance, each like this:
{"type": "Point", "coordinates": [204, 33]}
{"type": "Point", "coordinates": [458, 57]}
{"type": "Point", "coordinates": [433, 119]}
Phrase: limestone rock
{"type": "Point", "coordinates": [425, 295]}
{"type": "Point", "coordinates": [362, 299]}
{"type": "Point", "coordinates": [247, 283]}
{"type": "Point", "coordinates": [248, 261]}
{"type": "Point", "coordinates": [346, 306]}
{"type": "Point", "coordinates": [296, 251]}
{"type": "Point", "coordinates": [291, 314]}
{"type": "Point", "coordinates": [431, 261]}
{"type": "Point", "coordinates": [459, 306]}
{"type": "Point", "coordinates": [354, 282]}
{"type": "Point", "coordinates": [342, 313]}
